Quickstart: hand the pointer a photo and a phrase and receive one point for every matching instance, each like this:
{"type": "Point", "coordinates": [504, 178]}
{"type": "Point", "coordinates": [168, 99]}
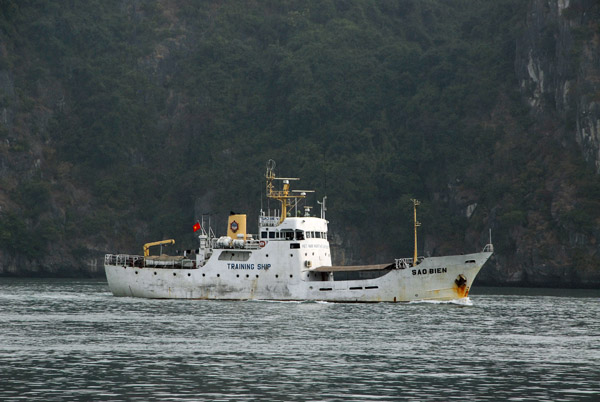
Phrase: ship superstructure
{"type": "Point", "coordinates": [288, 259]}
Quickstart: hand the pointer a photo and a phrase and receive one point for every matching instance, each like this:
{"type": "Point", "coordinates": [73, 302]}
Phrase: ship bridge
{"type": "Point", "coordinates": [297, 228]}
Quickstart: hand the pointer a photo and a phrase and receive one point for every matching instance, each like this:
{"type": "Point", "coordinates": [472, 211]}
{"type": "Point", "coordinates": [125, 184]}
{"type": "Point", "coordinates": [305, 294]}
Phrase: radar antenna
{"type": "Point", "coordinates": [288, 201]}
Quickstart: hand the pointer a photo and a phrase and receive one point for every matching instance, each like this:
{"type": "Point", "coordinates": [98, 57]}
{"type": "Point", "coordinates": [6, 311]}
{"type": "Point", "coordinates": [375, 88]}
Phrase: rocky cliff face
{"type": "Point", "coordinates": [530, 203]}
{"type": "Point", "coordinates": [558, 66]}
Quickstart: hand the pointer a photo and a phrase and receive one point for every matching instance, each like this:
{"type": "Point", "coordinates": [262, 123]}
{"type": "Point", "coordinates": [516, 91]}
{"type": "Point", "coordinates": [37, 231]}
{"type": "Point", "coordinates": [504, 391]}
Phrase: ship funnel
{"type": "Point", "coordinates": [236, 226]}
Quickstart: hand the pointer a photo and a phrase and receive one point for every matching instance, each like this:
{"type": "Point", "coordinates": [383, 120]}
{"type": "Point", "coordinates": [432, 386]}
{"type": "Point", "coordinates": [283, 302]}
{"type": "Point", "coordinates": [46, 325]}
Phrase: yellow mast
{"type": "Point", "coordinates": [417, 224]}
{"type": "Point", "coordinates": [282, 196]}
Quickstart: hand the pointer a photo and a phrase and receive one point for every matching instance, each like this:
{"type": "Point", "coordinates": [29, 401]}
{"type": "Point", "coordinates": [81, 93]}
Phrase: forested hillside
{"type": "Point", "coordinates": [122, 121]}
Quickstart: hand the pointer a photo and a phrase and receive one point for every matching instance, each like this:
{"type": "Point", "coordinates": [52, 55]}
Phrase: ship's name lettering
{"type": "Point", "coordinates": [231, 265]}
{"type": "Point", "coordinates": [429, 271]}
{"type": "Point", "coordinates": [306, 245]}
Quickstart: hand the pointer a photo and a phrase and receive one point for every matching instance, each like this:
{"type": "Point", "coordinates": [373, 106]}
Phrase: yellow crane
{"type": "Point", "coordinates": [156, 243]}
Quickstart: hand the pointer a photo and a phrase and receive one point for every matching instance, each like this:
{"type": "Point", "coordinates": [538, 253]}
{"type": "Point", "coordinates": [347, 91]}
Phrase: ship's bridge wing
{"type": "Point", "coordinates": [342, 268]}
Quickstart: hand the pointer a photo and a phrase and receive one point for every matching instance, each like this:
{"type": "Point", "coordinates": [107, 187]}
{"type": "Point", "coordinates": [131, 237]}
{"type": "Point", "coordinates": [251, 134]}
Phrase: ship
{"type": "Point", "coordinates": [289, 259]}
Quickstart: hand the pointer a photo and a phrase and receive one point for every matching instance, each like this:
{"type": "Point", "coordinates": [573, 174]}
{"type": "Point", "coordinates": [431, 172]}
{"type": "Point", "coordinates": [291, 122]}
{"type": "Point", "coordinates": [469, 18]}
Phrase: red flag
{"type": "Point", "coordinates": [196, 226]}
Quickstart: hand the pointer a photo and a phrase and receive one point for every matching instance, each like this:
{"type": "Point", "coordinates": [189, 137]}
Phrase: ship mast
{"type": "Point", "coordinates": [282, 196]}
{"type": "Point", "coordinates": [417, 224]}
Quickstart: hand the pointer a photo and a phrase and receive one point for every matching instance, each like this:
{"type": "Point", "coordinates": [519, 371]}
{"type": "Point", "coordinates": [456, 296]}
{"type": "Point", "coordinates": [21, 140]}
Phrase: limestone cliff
{"type": "Point", "coordinates": [558, 65]}
{"type": "Point", "coordinates": [121, 121]}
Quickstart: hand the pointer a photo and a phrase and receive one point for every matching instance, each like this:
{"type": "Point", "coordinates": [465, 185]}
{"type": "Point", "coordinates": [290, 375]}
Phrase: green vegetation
{"type": "Point", "coordinates": [151, 106]}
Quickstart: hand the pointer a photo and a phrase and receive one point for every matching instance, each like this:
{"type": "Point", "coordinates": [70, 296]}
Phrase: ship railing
{"type": "Point", "coordinates": [253, 244]}
{"type": "Point", "coordinates": [403, 263]}
{"type": "Point", "coordinates": [268, 221]}
{"type": "Point", "coordinates": [126, 260]}
{"type": "Point", "coordinates": [249, 244]}
{"type": "Point", "coordinates": [489, 248]}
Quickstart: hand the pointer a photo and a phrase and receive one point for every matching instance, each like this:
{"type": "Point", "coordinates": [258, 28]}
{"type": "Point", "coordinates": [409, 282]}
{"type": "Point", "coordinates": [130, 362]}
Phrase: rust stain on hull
{"type": "Point", "coordinates": [460, 286]}
{"type": "Point", "coordinates": [461, 291]}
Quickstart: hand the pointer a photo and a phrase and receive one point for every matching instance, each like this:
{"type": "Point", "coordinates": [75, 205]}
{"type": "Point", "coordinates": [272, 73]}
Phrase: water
{"type": "Point", "coordinates": [72, 340]}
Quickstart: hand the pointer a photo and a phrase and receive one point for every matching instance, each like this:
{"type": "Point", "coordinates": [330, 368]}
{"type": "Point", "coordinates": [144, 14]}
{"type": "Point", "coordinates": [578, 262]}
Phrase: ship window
{"type": "Point", "coordinates": [287, 234]}
{"type": "Point", "coordinates": [308, 235]}
{"type": "Point", "coordinates": [299, 235]}
{"type": "Point", "coordinates": [271, 235]}
{"type": "Point", "coordinates": [318, 235]}
{"type": "Point", "coordinates": [263, 235]}
{"type": "Point", "coordinates": [234, 256]}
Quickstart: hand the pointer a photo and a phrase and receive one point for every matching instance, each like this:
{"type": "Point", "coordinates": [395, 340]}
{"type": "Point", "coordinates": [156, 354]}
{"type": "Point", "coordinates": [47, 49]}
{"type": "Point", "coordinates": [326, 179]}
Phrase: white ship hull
{"type": "Point", "coordinates": [289, 259]}
{"type": "Point", "coordinates": [435, 278]}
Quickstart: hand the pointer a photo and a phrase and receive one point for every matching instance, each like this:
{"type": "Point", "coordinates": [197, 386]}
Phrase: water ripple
{"type": "Point", "coordinates": [72, 340]}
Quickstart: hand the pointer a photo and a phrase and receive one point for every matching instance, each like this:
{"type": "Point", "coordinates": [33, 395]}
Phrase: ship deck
{"type": "Point", "coordinates": [345, 268]}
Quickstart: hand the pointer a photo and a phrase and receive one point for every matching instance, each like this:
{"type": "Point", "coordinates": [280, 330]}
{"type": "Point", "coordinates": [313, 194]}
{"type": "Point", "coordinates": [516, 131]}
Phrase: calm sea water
{"type": "Point", "coordinates": [72, 340]}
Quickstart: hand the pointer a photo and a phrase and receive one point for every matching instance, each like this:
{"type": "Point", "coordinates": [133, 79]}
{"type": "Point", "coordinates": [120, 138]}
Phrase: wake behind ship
{"type": "Point", "coordinates": [289, 259]}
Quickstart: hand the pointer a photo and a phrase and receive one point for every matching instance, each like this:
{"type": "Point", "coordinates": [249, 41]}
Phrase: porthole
{"type": "Point", "coordinates": [203, 274]}
{"type": "Point", "coordinates": [218, 275]}
{"type": "Point", "coordinates": [154, 272]}
{"type": "Point", "coordinates": [267, 255]}
{"type": "Point", "coordinates": [237, 276]}
{"type": "Point", "coordinates": [276, 276]}
{"type": "Point", "coordinates": [257, 276]}
{"type": "Point", "coordinates": [136, 272]}
{"type": "Point", "coordinates": [189, 274]}
{"type": "Point", "coordinates": [174, 273]}
{"type": "Point", "coordinates": [247, 276]}
{"type": "Point", "coordinates": [291, 276]}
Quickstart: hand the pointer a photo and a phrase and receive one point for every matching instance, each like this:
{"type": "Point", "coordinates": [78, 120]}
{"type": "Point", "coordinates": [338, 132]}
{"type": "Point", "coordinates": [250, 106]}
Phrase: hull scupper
{"type": "Point", "coordinates": [289, 259]}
